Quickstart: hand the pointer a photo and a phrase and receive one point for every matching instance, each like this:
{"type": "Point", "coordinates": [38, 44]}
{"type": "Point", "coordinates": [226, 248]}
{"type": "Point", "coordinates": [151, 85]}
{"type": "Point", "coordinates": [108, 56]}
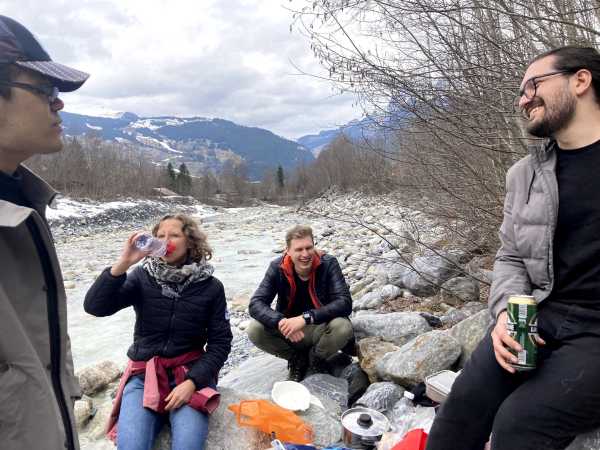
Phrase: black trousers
{"type": "Point", "coordinates": [542, 409]}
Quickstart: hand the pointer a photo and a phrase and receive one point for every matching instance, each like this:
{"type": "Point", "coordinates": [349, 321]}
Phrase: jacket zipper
{"type": "Point", "coordinates": [54, 333]}
{"type": "Point", "coordinates": [170, 326]}
{"type": "Point", "coordinates": [550, 185]}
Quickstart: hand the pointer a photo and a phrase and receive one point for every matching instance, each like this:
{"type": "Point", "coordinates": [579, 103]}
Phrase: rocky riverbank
{"type": "Point", "coordinates": [418, 308]}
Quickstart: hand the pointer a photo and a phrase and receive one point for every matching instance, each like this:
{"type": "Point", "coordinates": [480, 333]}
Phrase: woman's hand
{"type": "Point", "coordinates": [130, 255]}
{"type": "Point", "coordinates": [180, 395]}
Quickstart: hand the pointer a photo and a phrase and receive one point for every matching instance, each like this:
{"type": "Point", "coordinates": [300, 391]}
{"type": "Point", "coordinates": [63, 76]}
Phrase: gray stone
{"type": "Point", "coordinates": [327, 386]}
{"type": "Point", "coordinates": [452, 316]}
{"type": "Point", "coordinates": [325, 423]}
{"type": "Point", "coordinates": [96, 427]}
{"type": "Point", "coordinates": [256, 375]}
{"type": "Point", "coordinates": [396, 273]}
{"type": "Point", "coordinates": [459, 290]}
{"type": "Point", "coordinates": [381, 396]}
{"type": "Point", "coordinates": [358, 381]}
{"type": "Point", "coordinates": [397, 328]}
{"type": "Point", "coordinates": [472, 308]}
{"type": "Point", "coordinates": [373, 300]}
{"type": "Point", "coordinates": [419, 358]}
{"type": "Point", "coordinates": [83, 411]}
{"type": "Point", "coordinates": [95, 378]}
{"type": "Point", "coordinates": [430, 272]}
{"type": "Point", "coordinates": [469, 333]}
{"type": "Point", "coordinates": [370, 351]}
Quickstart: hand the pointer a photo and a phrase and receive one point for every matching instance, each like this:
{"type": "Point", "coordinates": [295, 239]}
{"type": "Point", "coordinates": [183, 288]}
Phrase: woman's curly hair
{"type": "Point", "coordinates": [198, 248]}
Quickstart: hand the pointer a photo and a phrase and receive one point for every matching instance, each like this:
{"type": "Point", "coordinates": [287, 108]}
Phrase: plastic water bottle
{"type": "Point", "coordinates": [148, 243]}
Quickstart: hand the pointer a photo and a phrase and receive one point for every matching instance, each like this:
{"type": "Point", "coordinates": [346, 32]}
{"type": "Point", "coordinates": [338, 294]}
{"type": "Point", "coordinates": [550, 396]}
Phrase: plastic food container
{"type": "Point", "coordinates": [438, 385]}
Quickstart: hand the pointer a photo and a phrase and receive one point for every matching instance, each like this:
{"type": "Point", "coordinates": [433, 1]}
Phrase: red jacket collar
{"type": "Point", "coordinates": [287, 266]}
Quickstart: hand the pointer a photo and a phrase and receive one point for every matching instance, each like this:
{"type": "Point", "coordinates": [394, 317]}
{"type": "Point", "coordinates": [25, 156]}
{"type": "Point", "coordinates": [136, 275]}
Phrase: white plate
{"type": "Point", "coordinates": [291, 395]}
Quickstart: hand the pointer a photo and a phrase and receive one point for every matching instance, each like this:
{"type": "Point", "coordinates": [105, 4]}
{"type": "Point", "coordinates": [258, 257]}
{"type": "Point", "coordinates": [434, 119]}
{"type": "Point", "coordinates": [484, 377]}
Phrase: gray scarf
{"type": "Point", "coordinates": [173, 280]}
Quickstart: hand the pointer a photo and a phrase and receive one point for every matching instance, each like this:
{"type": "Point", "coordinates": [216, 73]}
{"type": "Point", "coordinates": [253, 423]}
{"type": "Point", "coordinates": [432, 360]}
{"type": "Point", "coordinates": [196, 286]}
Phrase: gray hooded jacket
{"type": "Point", "coordinates": [524, 262]}
{"type": "Point", "coordinates": [37, 384]}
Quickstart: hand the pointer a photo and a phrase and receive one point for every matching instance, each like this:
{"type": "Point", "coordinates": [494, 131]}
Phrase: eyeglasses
{"type": "Point", "coordinates": [50, 92]}
{"type": "Point", "coordinates": [530, 87]}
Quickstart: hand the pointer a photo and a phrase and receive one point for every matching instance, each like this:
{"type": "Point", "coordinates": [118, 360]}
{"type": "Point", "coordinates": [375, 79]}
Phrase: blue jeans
{"type": "Point", "coordinates": [139, 426]}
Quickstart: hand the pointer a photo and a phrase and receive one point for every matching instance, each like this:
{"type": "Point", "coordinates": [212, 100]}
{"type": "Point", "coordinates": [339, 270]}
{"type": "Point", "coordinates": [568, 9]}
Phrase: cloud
{"type": "Point", "coordinates": [213, 58]}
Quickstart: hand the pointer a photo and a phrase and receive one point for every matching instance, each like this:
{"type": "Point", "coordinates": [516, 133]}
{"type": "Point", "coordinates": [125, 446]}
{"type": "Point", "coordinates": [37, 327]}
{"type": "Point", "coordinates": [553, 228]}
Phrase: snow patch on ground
{"type": "Point", "coordinates": [65, 207]}
{"type": "Point", "coordinates": [92, 127]}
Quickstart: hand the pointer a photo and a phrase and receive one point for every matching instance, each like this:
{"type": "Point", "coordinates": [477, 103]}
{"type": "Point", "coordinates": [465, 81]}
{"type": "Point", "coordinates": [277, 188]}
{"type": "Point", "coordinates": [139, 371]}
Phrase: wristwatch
{"type": "Point", "coordinates": [308, 318]}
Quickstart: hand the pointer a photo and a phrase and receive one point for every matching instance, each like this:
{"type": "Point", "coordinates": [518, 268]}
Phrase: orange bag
{"type": "Point", "coordinates": [272, 419]}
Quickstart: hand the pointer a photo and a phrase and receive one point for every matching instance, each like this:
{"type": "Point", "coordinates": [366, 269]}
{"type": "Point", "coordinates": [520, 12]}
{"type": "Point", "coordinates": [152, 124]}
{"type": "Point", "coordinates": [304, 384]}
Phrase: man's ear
{"type": "Point", "coordinates": [583, 82]}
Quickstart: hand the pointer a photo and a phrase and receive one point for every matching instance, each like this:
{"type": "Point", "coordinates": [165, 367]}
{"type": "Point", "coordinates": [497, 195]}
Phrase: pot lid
{"type": "Point", "coordinates": [365, 422]}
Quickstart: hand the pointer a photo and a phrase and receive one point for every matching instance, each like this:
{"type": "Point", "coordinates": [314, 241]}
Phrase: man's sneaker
{"type": "Point", "coordinates": [316, 364]}
{"type": "Point", "coordinates": [297, 366]}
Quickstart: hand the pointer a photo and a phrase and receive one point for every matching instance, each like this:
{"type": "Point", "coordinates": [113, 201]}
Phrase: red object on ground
{"type": "Point", "coordinates": [413, 440]}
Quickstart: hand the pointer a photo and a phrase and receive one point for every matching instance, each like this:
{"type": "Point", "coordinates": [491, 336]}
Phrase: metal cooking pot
{"type": "Point", "coordinates": [363, 427]}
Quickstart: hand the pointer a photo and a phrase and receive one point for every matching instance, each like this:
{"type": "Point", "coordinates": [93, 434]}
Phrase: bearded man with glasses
{"type": "Point", "coordinates": [550, 249]}
{"type": "Point", "coordinates": [37, 383]}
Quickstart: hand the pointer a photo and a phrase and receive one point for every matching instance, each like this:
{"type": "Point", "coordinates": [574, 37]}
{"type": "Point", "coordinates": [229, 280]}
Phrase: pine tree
{"type": "Point", "coordinates": [184, 180]}
{"type": "Point", "coordinates": [171, 177]}
{"type": "Point", "coordinates": [280, 178]}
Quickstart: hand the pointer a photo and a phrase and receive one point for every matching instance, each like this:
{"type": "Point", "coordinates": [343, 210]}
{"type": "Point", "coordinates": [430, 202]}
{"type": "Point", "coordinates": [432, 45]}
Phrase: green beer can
{"type": "Point", "coordinates": [522, 326]}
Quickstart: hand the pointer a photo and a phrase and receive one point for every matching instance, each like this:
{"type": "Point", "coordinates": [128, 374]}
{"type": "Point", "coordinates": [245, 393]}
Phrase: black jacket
{"type": "Point", "coordinates": [330, 286]}
{"type": "Point", "coordinates": [168, 327]}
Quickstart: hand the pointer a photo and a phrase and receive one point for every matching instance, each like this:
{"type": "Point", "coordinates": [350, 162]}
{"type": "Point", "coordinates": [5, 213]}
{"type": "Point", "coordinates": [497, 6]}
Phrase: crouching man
{"type": "Point", "coordinates": [310, 320]}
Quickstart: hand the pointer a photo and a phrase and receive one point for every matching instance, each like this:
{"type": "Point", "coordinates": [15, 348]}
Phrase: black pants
{"type": "Point", "coordinates": [542, 409]}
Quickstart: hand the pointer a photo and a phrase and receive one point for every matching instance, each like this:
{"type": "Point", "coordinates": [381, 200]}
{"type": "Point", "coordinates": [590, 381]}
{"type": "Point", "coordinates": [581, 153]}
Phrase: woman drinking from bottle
{"type": "Point", "coordinates": [181, 338]}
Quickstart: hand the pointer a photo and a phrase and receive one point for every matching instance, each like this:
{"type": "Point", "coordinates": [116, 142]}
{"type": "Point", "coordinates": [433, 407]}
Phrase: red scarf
{"type": "Point", "coordinates": [287, 266]}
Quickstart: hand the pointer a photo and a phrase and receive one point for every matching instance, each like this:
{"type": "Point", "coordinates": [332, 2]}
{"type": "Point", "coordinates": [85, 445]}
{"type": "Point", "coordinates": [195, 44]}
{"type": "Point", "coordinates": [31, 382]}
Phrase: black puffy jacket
{"type": "Point", "coordinates": [168, 327]}
{"type": "Point", "coordinates": [330, 288]}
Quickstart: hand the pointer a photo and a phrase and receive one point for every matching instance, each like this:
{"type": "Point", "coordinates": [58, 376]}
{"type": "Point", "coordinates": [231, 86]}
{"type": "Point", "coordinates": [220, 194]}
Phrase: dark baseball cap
{"type": "Point", "coordinates": [18, 46]}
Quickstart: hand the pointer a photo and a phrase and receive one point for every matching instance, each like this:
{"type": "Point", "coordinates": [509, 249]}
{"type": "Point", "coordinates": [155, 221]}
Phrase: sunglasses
{"type": "Point", "coordinates": [50, 92]}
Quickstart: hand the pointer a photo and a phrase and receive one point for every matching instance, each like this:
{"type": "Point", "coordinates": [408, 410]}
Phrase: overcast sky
{"type": "Point", "coordinates": [213, 58]}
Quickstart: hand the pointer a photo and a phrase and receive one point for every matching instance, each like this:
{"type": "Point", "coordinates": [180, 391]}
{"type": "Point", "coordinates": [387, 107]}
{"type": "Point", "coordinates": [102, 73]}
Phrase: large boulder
{"type": "Point", "coordinates": [419, 358]}
{"type": "Point", "coordinates": [256, 375]}
{"type": "Point", "coordinates": [370, 351]}
{"type": "Point", "coordinates": [97, 377]}
{"type": "Point", "coordinates": [469, 333]}
{"type": "Point", "coordinates": [397, 328]}
{"type": "Point", "coordinates": [429, 273]}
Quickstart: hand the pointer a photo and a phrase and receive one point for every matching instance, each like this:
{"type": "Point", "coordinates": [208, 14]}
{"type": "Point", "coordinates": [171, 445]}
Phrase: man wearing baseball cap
{"type": "Point", "coordinates": [37, 383]}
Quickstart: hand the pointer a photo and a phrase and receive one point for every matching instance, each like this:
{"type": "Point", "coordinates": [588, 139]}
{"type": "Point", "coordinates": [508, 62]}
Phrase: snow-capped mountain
{"type": "Point", "coordinates": [198, 142]}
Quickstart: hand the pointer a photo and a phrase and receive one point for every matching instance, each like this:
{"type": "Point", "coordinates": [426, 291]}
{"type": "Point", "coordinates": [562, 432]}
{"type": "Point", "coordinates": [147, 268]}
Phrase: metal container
{"type": "Point", "coordinates": [363, 427]}
{"type": "Point", "coordinates": [521, 324]}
